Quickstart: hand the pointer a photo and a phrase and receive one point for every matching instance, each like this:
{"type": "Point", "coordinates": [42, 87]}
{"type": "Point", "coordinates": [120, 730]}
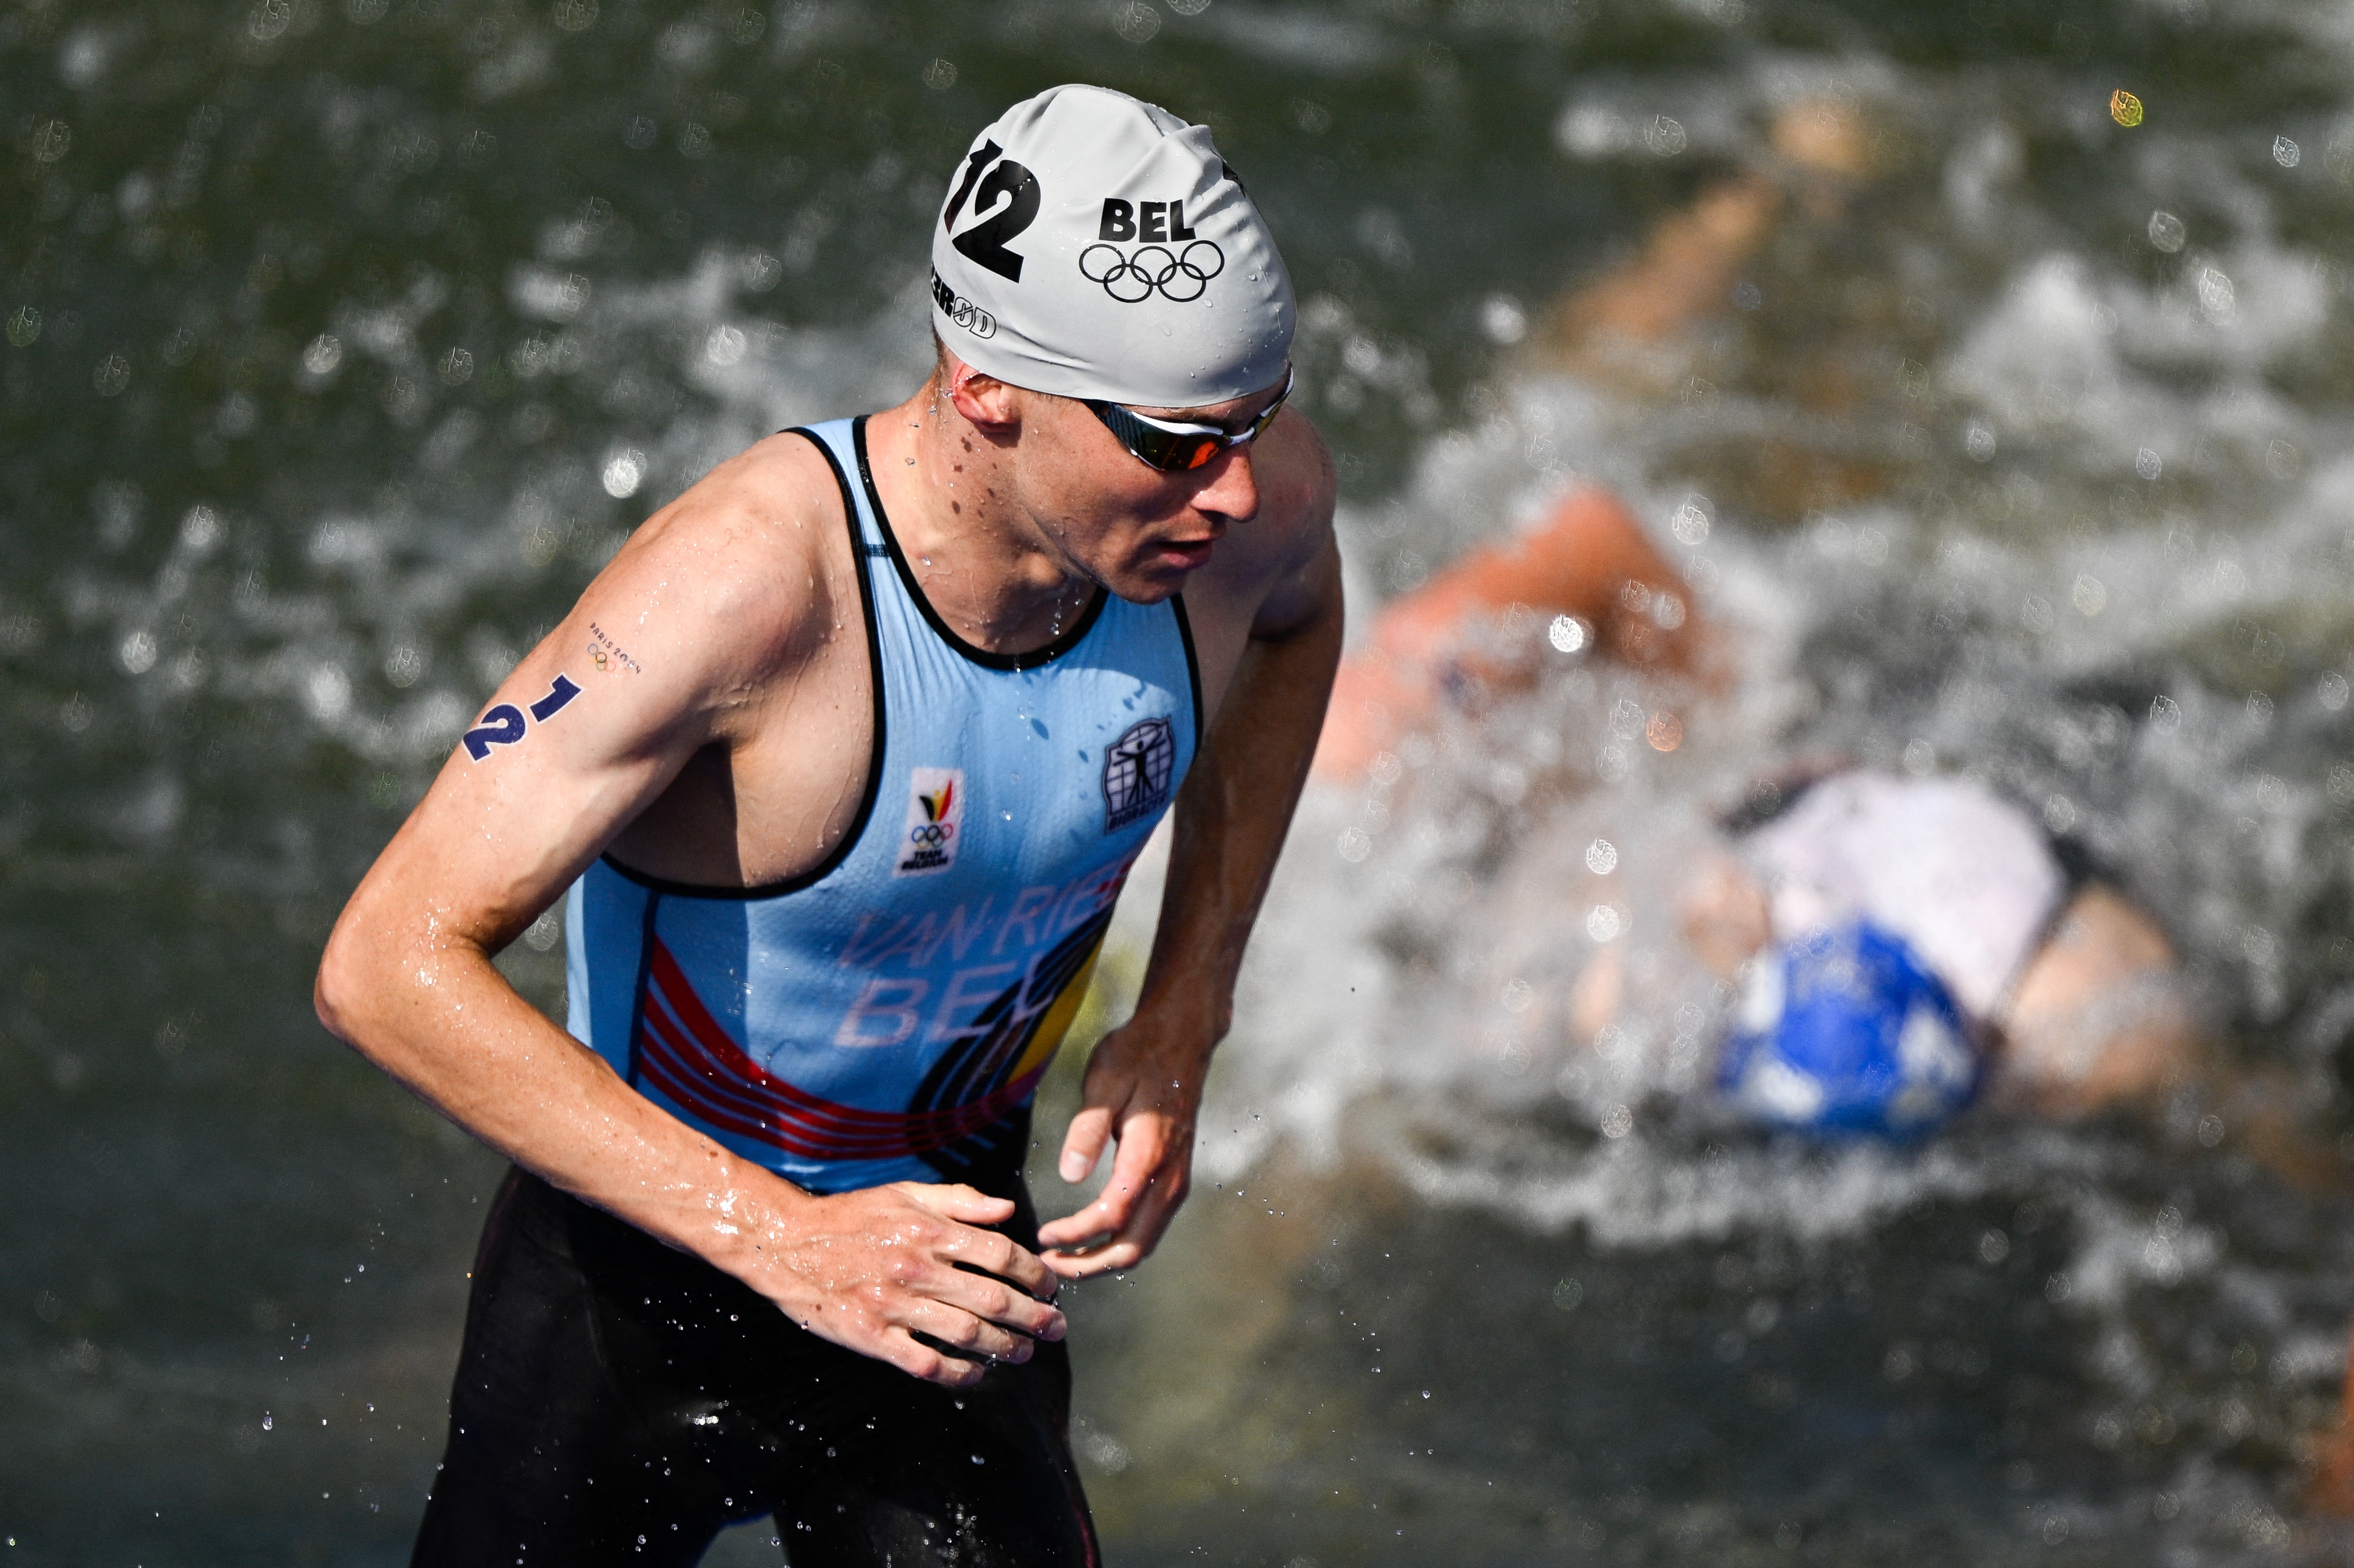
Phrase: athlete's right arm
{"type": "Point", "coordinates": [712, 617]}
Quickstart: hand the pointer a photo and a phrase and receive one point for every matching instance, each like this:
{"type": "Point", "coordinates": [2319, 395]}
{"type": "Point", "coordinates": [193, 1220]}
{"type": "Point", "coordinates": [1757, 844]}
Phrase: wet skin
{"type": "Point", "coordinates": [733, 751]}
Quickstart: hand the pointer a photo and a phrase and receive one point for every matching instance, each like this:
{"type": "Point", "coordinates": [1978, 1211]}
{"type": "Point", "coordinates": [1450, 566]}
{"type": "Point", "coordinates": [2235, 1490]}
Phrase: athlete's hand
{"type": "Point", "coordinates": [872, 1270]}
{"type": "Point", "coordinates": [1143, 1089]}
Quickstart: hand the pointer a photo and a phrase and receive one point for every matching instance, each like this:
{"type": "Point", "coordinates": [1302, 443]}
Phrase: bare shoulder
{"type": "Point", "coordinates": [738, 577]}
{"type": "Point", "coordinates": [1257, 562]}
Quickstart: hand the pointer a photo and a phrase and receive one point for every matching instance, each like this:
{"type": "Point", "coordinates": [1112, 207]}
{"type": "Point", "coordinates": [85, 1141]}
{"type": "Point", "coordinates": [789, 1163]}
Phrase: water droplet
{"type": "Point", "coordinates": [1355, 844]}
{"type": "Point", "coordinates": [2125, 108]}
{"type": "Point", "coordinates": [1746, 296]}
{"type": "Point", "coordinates": [2149, 464]}
{"type": "Point", "coordinates": [2285, 152]}
{"type": "Point", "coordinates": [1503, 320]}
{"type": "Point", "coordinates": [2088, 595]}
{"type": "Point", "coordinates": [1665, 136]}
{"type": "Point", "coordinates": [941, 75]}
{"type": "Point", "coordinates": [2167, 232]}
{"type": "Point", "coordinates": [1603, 923]}
{"type": "Point", "coordinates": [267, 1422]}
{"type": "Point", "coordinates": [1979, 443]}
{"type": "Point", "coordinates": [1602, 857]}
{"type": "Point", "coordinates": [322, 355]}
{"type": "Point", "coordinates": [24, 325]}
{"type": "Point", "coordinates": [1569, 633]}
{"type": "Point", "coordinates": [1691, 523]}
{"type": "Point", "coordinates": [624, 472]}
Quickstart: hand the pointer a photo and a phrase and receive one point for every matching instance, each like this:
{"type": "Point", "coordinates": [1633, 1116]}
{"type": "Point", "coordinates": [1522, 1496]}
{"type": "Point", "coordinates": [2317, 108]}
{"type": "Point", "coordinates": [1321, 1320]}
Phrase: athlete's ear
{"type": "Point", "coordinates": [987, 403]}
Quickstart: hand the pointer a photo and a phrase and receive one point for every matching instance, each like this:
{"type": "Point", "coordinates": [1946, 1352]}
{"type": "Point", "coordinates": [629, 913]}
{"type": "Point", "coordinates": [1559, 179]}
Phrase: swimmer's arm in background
{"type": "Point", "coordinates": [723, 596]}
{"type": "Point", "coordinates": [1143, 1086]}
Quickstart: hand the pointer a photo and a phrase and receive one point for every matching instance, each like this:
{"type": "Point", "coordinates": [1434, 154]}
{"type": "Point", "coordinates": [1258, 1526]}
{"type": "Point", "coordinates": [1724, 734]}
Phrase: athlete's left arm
{"type": "Point", "coordinates": [1269, 627]}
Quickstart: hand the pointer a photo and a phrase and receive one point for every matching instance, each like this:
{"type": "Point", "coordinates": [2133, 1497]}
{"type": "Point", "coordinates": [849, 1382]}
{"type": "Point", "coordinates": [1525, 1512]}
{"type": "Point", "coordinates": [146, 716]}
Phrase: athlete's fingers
{"type": "Point", "coordinates": [1144, 1162]}
{"type": "Point", "coordinates": [964, 1331]}
{"type": "Point", "coordinates": [991, 1300]}
{"type": "Point", "coordinates": [954, 1201]}
{"type": "Point", "coordinates": [917, 1359]}
{"type": "Point", "coordinates": [994, 1253]}
{"type": "Point", "coordinates": [1083, 1144]}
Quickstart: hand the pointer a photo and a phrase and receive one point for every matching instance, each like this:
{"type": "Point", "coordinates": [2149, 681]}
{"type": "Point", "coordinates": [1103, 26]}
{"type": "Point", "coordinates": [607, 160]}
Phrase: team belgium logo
{"type": "Point", "coordinates": [934, 818]}
{"type": "Point", "coordinates": [1137, 771]}
{"type": "Point", "coordinates": [1171, 262]}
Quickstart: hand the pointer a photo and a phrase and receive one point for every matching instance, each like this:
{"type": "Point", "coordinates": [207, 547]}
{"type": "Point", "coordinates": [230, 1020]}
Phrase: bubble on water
{"type": "Point", "coordinates": [138, 651]}
{"type": "Point", "coordinates": [1136, 22]}
{"type": "Point", "coordinates": [940, 74]}
{"type": "Point", "coordinates": [1603, 922]}
{"type": "Point", "coordinates": [1569, 634]}
{"type": "Point", "coordinates": [1502, 318]}
{"type": "Point", "coordinates": [1602, 857]}
{"type": "Point", "coordinates": [2167, 232]}
{"type": "Point", "coordinates": [624, 472]}
{"type": "Point", "coordinates": [2284, 153]}
{"type": "Point", "coordinates": [1979, 442]}
{"type": "Point", "coordinates": [2333, 691]}
{"type": "Point", "coordinates": [2125, 108]}
{"type": "Point", "coordinates": [24, 325]}
{"type": "Point", "coordinates": [723, 347]}
{"type": "Point", "coordinates": [2088, 595]}
{"type": "Point", "coordinates": [322, 355]}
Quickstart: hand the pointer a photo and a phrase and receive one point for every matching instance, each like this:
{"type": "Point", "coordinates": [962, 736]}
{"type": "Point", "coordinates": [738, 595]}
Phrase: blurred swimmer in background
{"type": "Point", "coordinates": [1853, 907]}
{"type": "Point", "coordinates": [1900, 945]}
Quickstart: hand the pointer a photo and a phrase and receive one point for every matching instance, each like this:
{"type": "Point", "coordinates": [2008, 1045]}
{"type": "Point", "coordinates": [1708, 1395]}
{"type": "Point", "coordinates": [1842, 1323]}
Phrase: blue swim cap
{"type": "Point", "coordinates": [1846, 1031]}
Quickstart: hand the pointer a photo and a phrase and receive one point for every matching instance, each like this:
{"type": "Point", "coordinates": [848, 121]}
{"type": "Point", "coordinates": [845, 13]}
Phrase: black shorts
{"type": "Point", "coordinates": [618, 1401]}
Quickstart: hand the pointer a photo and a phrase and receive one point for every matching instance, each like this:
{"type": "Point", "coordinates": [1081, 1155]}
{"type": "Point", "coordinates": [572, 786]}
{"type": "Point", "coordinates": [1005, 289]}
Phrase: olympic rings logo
{"type": "Point", "coordinates": [931, 833]}
{"type": "Point", "coordinates": [1131, 279]}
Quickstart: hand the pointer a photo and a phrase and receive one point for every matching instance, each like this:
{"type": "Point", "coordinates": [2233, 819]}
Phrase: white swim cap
{"type": "Point", "coordinates": [1093, 246]}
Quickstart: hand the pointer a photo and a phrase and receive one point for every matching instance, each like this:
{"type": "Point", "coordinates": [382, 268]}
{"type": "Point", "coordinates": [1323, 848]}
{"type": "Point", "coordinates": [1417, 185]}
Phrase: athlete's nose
{"type": "Point", "coordinates": [1232, 490]}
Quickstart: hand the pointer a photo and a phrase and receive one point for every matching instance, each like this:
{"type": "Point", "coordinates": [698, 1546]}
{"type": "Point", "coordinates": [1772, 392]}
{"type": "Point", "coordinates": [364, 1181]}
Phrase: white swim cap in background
{"type": "Point", "coordinates": [1093, 246]}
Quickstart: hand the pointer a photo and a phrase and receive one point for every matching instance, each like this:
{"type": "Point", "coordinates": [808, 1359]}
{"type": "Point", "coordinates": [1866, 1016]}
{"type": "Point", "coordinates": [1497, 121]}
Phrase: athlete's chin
{"type": "Point", "coordinates": [1168, 566]}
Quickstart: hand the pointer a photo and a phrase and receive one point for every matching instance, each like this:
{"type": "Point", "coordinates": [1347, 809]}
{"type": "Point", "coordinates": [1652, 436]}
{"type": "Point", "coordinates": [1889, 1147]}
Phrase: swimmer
{"type": "Point", "coordinates": [841, 766]}
{"type": "Point", "coordinates": [2074, 987]}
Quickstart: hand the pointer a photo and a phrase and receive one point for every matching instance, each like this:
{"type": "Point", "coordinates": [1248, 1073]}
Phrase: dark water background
{"type": "Point", "coordinates": [346, 341]}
